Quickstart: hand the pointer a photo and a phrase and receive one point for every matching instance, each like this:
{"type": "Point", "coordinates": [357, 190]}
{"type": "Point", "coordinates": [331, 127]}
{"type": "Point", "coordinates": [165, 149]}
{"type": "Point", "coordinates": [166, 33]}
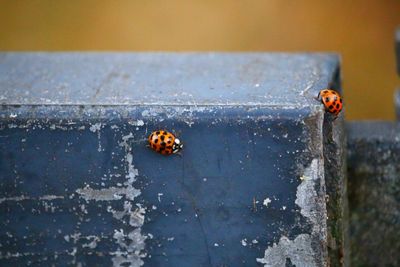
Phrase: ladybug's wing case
{"type": "Point", "coordinates": [338, 108]}
{"type": "Point", "coordinates": [332, 101]}
{"type": "Point", "coordinates": [168, 141]}
{"type": "Point", "coordinates": [162, 142]}
{"type": "Point", "coordinates": [154, 141]}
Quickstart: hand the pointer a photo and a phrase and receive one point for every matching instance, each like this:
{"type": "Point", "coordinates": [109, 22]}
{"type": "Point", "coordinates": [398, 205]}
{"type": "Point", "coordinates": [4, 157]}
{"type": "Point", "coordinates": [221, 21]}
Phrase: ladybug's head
{"type": "Point", "coordinates": [177, 146]}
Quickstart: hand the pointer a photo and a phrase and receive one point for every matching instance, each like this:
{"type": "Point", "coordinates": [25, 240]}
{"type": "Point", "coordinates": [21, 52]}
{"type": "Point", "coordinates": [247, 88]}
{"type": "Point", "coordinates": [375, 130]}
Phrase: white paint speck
{"type": "Point", "coordinates": [267, 201]}
{"type": "Point", "coordinates": [95, 127]}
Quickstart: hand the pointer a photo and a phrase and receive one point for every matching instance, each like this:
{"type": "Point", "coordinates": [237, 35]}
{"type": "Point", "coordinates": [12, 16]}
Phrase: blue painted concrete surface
{"type": "Point", "coordinates": [79, 186]}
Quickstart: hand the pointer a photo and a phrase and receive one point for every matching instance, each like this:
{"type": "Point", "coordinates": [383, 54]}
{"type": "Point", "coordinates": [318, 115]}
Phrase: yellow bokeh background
{"type": "Point", "coordinates": [362, 31]}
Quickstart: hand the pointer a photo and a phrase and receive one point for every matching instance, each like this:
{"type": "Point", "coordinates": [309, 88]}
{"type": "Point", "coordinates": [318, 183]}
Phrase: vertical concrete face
{"type": "Point", "coordinates": [374, 190]}
{"type": "Point", "coordinates": [336, 186]}
{"type": "Point", "coordinates": [79, 186]}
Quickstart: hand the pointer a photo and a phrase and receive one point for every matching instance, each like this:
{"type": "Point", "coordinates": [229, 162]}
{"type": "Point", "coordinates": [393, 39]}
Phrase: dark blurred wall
{"type": "Point", "coordinates": [362, 31]}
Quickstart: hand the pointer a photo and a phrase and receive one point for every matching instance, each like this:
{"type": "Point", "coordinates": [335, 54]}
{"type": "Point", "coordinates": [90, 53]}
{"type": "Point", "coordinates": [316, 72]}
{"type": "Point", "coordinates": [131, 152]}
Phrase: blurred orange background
{"type": "Point", "coordinates": [361, 31]}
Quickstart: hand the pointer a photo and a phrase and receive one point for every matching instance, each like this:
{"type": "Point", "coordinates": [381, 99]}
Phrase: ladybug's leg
{"type": "Point", "coordinates": [318, 97]}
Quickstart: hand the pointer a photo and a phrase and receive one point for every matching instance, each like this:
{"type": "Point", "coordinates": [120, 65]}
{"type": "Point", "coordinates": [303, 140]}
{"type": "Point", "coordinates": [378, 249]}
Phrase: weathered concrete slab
{"type": "Point", "coordinates": [374, 193]}
{"type": "Point", "coordinates": [79, 186]}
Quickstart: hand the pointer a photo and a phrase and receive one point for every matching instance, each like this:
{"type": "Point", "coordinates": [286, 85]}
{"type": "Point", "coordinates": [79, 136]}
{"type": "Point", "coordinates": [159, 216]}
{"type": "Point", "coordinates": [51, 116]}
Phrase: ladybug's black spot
{"type": "Point", "coordinates": [156, 140]}
{"type": "Point", "coordinates": [331, 107]}
{"type": "Point", "coordinates": [169, 141]}
{"type": "Point", "coordinates": [161, 149]}
{"type": "Point", "coordinates": [341, 100]}
{"type": "Point", "coordinates": [335, 98]}
{"type": "Point", "coordinates": [162, 137]}
{"type": "Point", "coordinates": [337, 105]}
{"type": "Point", "coordinates": [327, 99]}
{"type": "Point", "coordinates": [153, 146]}
{"type": "Point", "coordinates": [326, 91]}
{"type": "Point", "coordinates": [163, 144]}
{"type": "Point", "coordinates": [169, 147]}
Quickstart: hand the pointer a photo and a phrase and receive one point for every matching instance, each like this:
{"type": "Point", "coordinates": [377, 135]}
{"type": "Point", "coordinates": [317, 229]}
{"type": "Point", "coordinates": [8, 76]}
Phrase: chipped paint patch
{"type": "Point", "coordinates": [97, 128]}
{"type": "Point", "coordinates": [131, 241]}
{"type": "Point", "coordinates": [136, 123]}
{"type": "Point", "coordinates": [93, 240]}
{"type": "Point", "coordinates": [136, 216]}
{"type": "Point", "coordinates": [311, 206]}
{"type": "Point", "coordinates": [22, 198]}
{"type": "Point", "coordinates": [131, 244]}
{"type": "Point", "coordinates": [301, 251]}
{"type": "Point", "coordinates": [107, 194]}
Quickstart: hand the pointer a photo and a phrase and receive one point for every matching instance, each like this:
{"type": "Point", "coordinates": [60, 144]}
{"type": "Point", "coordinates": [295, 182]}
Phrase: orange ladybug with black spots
{"type": "Point", "coordinates": [332, 101]}
{"type": "Point", "coordinates": [164, 142]}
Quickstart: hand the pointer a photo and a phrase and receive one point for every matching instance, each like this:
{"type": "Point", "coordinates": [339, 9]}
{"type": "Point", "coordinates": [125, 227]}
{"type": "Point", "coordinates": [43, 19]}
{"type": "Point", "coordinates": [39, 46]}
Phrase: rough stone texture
{"type": "Point", "coordinates": [336, 193]}
{"type": "Point", "coordinates": [79, 186]}
{"type": "Point", "coordinates": [374, 193]}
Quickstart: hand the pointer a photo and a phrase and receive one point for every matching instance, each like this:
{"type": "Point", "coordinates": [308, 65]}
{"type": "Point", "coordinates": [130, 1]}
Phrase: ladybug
{"type": "Point", "coordinates": [332, 101]}
{"type": "Point", "coordinates": [164, 142]}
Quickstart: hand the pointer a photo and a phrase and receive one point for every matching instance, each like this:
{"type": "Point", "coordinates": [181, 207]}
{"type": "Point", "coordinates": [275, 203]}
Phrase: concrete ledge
{"type": "Point", "coordinates": [79, 186]}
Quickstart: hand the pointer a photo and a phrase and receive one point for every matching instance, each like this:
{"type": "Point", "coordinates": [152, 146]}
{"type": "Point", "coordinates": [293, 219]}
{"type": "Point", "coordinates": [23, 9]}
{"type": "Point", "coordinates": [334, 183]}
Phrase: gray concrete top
{"type": "Point", "coordinates": [373, 130]}
{"type": "Point", "coordinates": [273, 79]}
